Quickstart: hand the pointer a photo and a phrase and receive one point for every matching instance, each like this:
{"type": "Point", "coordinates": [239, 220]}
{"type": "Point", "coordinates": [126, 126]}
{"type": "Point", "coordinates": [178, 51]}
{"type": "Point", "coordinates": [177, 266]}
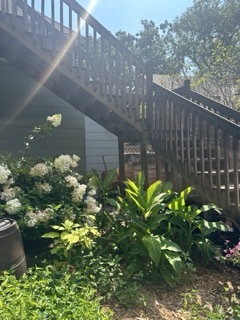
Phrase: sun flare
{"type": "Point", "coordinates": [59, 57]}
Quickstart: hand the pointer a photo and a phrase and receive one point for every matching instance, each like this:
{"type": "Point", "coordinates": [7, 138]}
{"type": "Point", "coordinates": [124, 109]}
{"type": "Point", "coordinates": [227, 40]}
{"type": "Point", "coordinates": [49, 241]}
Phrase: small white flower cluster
{"type": "Point", "coordinates": [39, 170]}
{"type": "Point", "coordinates": [56, 119]}
{"type": "Point", "coordinates": [13, 206]}
{"type": "Point", "coordinates": [39, 216]}
{"type": "Point", "coordinates": [43, 187]}
{"type": "Point", "coordinates": [4, 174]}
{"type": "Point", "coordinates": [79, 192]}
{"type": "Point", "coordinates": [92, 205]}
{"type": "Point", "coordinates": [64, 162]}
{"type": "Point", "coordinates": [9, 193]}
{"type": "Point", "coordinates": [71, 181]}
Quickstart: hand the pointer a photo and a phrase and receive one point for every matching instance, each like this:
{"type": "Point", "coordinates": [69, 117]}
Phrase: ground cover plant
{"type": "Point", "coordinates": [89, 244]}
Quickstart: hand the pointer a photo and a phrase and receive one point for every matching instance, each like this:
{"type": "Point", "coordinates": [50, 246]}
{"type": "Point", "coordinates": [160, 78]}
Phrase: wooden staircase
{"type": "Point", "coordinates": [201, 141]}
{"type": "Point", "coordinates": [65, 49]}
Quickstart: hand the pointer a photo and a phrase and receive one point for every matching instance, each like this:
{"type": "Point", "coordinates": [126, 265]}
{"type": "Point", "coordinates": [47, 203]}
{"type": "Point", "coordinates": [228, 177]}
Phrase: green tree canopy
{"type": "Point", "coordinates": [203, 42]}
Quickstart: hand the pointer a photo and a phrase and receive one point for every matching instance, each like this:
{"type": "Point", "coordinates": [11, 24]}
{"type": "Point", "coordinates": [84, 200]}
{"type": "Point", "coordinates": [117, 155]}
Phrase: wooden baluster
{"type": "Point", "coordinates": [14, 12]}
{"type": "Point", "coordinates": [227, 169]}
{"type": "Point", "coordinates": [210, 155]}
{"type": "Point", "coordinates": [95, 60]}
{"type": "Point", "coordinates": [3, 7]}
{"type": "Point", "coordinates": [61, 17]}
{"type": "Point", "coordinates": [79, 46]}
{"type": "Point", "coordinates": [25, 16]}
{"type": "Point", "coordinates": [236, 168]}
{"type": "Point", "coordinates": [53, 29]}
{"type": "Point", "coordinates": [87, 57]}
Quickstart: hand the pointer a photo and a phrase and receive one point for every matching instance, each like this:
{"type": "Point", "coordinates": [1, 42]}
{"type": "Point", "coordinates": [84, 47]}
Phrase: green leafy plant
{"type": "Point", "coordinates": [140, 213]}
{"type": "Point", "coordinates": [190, 230]}
{"type": "Point", "coordinates": [70, 234]}
{"type": "Point", "coordinates": [48, 293]}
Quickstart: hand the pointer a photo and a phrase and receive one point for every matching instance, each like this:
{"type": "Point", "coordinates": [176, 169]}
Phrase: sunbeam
{"type": "Point", "coordinates": [49, 72]}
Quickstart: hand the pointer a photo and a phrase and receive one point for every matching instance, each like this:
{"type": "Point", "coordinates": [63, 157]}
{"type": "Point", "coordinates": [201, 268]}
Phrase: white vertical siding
{"type": "Point", "coordinates": [100, 143]}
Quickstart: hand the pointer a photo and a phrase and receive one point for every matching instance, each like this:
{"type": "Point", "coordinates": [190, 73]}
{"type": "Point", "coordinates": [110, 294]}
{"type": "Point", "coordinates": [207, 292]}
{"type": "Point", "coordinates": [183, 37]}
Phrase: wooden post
{"type": "Point", "coordinates": [121, 160]}
{"type": "Point", "coordinates": [158, 163]}
{"type": "Point", "coordinates": [144, 160]}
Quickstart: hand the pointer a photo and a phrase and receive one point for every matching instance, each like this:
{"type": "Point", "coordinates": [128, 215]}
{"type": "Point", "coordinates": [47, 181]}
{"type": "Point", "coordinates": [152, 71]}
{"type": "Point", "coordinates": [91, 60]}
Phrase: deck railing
{"type": "Point", "coordinates": [71, 35]}
{"type": "Point", "coordinates": [203, 146]}
{"type": "Point", "coordinates": [209, 104]}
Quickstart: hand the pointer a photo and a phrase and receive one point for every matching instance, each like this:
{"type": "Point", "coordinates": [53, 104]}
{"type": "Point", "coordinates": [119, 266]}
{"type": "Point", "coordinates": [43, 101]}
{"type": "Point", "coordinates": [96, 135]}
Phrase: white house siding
{"type": "Point", "coordinates": [100, 144]}
{"type": "Point", "coordinates": [17, 117]}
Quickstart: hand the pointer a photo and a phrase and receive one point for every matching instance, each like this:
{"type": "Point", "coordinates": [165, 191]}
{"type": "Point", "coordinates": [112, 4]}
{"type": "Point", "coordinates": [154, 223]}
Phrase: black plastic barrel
{"type": "Point", "coordinates": [11, 248]}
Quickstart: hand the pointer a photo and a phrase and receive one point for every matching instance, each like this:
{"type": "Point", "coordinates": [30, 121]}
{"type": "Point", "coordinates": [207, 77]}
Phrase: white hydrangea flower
{"type": "Point", "coordinates": [71, 181]}
{"type": "Point", "coordinates": [43, 187]}
{"type": "Point", "coordinates": [75, 160]}
{"type": "Point", "coordinates": [92, 205]}
{"type": "Point", "coordinates": [78, 193]}
{"type": "Point", "coordinates": [92, 192]}
{"type": "Point", "coordinates": [64, 162]}
{"type": "Point", "coordinates": [39, 216]}
{"type": "Point", "coordinates": [39, 170]}
{"type": "Point", "coordinates": [4, 174]}
{"type": "Point", "coordinates": [13, 206]}
{"type": "Point", "coordinates": [8, 193]}
{"type": "Point", "coordinates": [55, 119]}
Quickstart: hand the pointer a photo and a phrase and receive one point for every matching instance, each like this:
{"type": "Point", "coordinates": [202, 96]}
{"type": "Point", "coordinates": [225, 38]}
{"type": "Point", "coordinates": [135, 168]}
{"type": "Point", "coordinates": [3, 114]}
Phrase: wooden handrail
{"type": "Point", "coordinates": [214, 106]}
{"type": "Point", "coordinates": [201, 145]}
{"type": "Point", "coordinates": [74, 37]}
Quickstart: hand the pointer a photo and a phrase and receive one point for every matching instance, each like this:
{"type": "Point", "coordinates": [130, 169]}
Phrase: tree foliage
{"type": "Point", "coordinates": [203, 42]}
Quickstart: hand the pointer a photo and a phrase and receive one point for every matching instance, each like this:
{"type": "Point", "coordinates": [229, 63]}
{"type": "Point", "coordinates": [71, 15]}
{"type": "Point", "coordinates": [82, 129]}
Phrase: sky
{"type": "Point", "coordinates": [127, 14]}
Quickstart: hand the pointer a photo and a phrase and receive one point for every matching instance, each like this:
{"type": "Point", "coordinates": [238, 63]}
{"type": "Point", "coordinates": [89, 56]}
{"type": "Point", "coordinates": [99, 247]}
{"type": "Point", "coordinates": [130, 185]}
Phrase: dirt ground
{"type": "Point", "coordinates": [207, 286]}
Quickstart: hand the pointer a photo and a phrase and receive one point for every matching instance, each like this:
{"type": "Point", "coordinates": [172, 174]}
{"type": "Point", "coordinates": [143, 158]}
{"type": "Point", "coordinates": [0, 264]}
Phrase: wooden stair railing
{"type": "Point", "coordinates": [209, 104]}
{"type": "Point", "coordinates": [75, 43]}
{"type": "Point", "coordinates": [201, 145]}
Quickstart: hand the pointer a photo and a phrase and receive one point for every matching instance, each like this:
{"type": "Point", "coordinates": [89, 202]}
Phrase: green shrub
{"type": "Point", "coordinates": [156, 231]}
{"type": "Point", "coordinates": [49, 294]}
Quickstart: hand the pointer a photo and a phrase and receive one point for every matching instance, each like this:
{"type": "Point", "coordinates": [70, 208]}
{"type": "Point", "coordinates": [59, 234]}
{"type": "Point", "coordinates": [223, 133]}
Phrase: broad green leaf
{"type": "Point", "coordinates": [58, 228]}
{"type": "Point", "coordinates": [51, 235]}
{"type": "Point", "coordinates": [210, 227]}
{"type": "Point", "coordinates": [155, 221]}
{"type": "Point", "coordinates": [153, 246]}
{"type": "Point", "coordinates": [170, 246]}
{"type": "Point", "coordinates": [109, 179]}
{"type": "Point", "coordinates": [185, 192]}
{"type": "Point", "coordinates": [71, 238]}
{"type": "Point", "coordinates": [112, 202]}
{"type": "Point", "coordinates": [139, 181]}
{"type": "Point", "coordinates": [131, 186]}
{"type": "Point", "coordinates": [175, 261]}
{"type": "Point", "coordinates": [138, 204]}
{"type": "Point", "coordinates": [151, 191]}
{"type": "Point", "coordinates": [169, 276]}
{"type": "Point", "coordinates": [207, 207]}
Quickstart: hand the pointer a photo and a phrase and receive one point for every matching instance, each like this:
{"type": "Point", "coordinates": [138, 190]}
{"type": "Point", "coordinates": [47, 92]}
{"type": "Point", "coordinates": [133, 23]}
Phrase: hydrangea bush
{"type": "Point", "coordinates": [38, 192]}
